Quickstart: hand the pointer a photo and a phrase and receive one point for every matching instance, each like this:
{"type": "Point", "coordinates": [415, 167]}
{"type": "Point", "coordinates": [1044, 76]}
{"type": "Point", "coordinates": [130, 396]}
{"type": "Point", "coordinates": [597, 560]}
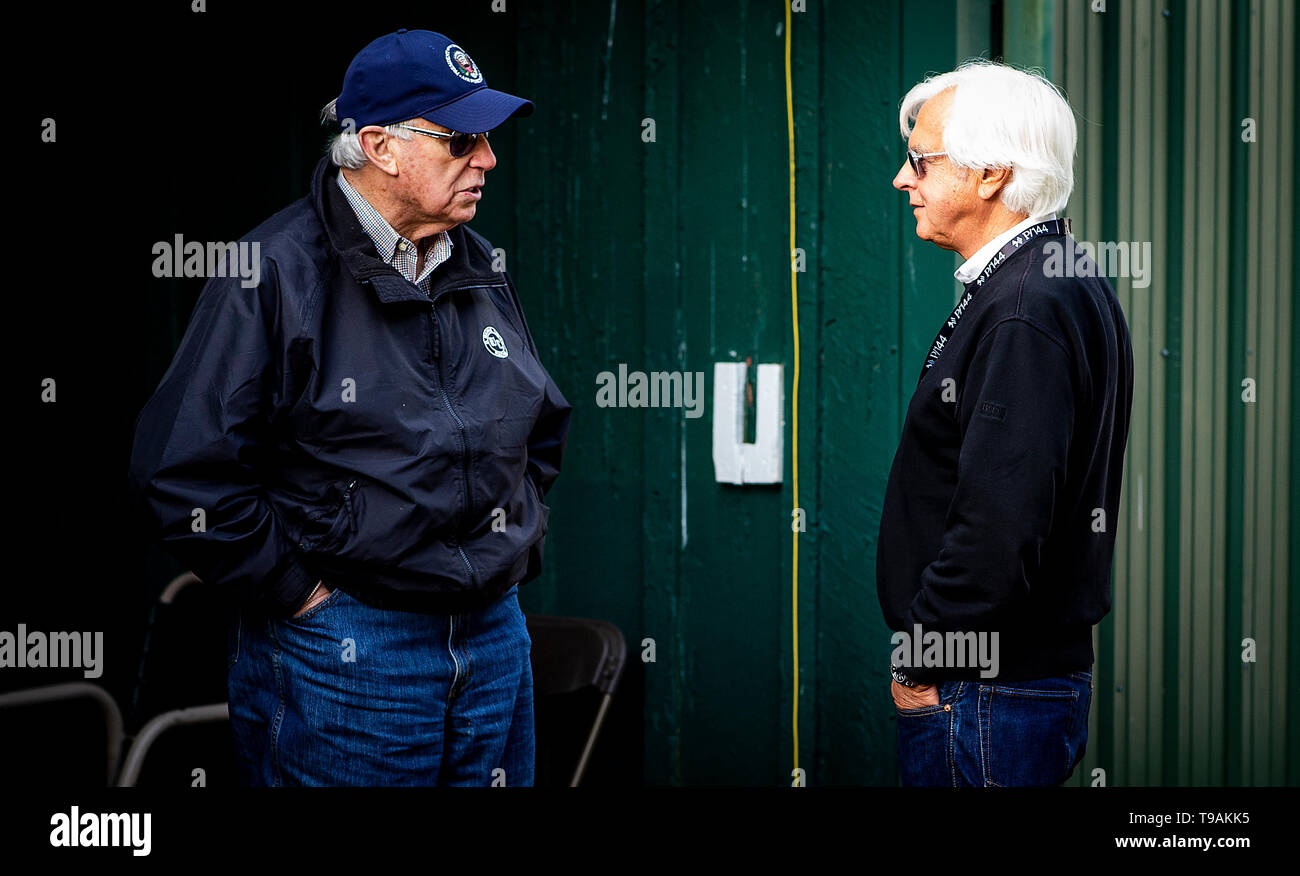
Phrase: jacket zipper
{"type": "Point", "coordinates": [464, 442]}
{"type": "Point", "coordinates": [351, 509]}
{"type": "Point", "coordinates": [345, 508]}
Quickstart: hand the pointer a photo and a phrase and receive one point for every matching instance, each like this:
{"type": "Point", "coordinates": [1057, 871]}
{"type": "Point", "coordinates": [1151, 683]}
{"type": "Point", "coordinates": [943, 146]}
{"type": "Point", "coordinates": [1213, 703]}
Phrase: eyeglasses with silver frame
{"type": "Point", "coordinates": [915, 159]}
{"type": "Point", "coordinates": [459, 144]}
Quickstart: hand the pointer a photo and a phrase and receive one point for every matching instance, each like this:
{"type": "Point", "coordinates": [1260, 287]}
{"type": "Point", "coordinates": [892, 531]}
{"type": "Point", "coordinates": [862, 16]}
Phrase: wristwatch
{"type": "Point", "coordinates": [900, 676]}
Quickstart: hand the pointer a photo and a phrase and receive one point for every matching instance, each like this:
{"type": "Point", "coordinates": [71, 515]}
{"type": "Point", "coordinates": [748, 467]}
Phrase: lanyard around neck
{"type": "Point", "coordinates": [1051, 226]}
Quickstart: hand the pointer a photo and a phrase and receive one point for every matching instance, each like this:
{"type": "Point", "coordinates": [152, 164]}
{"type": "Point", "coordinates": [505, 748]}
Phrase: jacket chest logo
{"type": "Point", "coordinates": [495, 344]}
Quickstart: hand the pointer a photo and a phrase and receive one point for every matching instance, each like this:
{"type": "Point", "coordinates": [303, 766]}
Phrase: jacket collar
{"type": "Point", "coordinates": [468, 264]}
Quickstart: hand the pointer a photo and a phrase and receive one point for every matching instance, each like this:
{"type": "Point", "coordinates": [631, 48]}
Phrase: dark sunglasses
{"type": "Point", "coordinates": [916, 159]}
{"type": "Point", "coordinates": [459, 144]}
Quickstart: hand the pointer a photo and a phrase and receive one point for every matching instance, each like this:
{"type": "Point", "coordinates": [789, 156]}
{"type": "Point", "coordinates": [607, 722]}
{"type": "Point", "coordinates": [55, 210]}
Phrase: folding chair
{"type": "Point", "coordinates": [170, 646]}
{"type": "Point", "coordinates": [156, 726]}
{"type": "Point", "coordinates": [53, 693]}
{"type": "Point", "coordinates": [572, 653]}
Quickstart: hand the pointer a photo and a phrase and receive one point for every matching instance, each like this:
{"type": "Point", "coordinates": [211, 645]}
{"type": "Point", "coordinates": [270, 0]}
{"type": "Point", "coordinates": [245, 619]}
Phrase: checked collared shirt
{"type": "Point", "coordinates": [399, 252]}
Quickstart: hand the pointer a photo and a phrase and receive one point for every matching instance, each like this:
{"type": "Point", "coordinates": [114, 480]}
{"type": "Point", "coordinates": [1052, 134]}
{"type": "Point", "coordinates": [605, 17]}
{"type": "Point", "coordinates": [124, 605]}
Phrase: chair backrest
{"type": "Point", "coordinates": [183, 660]}
{"type": "Point", "coordinates": [570, 653]}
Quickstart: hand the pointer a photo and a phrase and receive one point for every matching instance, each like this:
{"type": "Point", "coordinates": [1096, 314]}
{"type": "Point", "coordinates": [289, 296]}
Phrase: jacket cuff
{"type": "Point", "coordinates": [293, 588]}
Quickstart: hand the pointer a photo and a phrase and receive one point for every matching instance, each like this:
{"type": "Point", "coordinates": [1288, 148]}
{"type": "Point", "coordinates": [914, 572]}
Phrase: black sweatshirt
{"type": "Point", "coordinates": [1003, 499]}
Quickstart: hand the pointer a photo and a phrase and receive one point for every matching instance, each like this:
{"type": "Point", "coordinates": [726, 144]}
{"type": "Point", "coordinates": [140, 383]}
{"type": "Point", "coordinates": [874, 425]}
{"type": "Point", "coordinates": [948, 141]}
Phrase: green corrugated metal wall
{"type": "Point", "coordinates": [672, 255]}
{"type": "Point", "coordinates": [1203, 552]}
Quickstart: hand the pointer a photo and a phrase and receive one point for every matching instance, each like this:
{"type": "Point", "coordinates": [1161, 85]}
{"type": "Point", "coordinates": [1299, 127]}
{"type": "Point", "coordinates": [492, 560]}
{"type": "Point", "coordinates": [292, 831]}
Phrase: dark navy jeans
{"type": "Point", "coordinates": [349, 694]}
{"type": "Point", "coordinates": [1021, 733]}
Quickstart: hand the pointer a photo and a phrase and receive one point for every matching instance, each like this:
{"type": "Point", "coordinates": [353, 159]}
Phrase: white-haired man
{"type": "Point", "coordinates": [366, 437]}
{"type": "Point", "coordinates": [997, 528]}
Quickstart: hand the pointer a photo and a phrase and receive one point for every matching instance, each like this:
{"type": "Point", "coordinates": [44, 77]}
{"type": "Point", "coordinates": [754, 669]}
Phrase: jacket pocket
{"type": "Point", "coordinates": [324, 530]}
{"type": "Point", "coordinates": [512, 434]}
{"type": "Point", "coordinates": [509, 453]}
{"type": "Point", "coordinates": [543, 509]}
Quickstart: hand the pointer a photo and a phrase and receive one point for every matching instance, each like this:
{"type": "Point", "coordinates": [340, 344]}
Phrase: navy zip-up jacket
{"type": "Point", "coordinates": [1002, 503]}
{"type": "Point", "coordinates": [336, 422]}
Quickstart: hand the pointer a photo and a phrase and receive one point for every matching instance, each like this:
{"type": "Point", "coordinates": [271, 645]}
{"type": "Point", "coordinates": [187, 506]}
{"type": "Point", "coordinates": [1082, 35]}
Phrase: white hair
{"type": "Point", "coordinates": [1004, 117]}
{"type": "Point", "coordinates": [345, 147]}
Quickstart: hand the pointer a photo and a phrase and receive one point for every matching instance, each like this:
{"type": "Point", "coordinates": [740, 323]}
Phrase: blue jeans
{"type": "Point", "coordinates": [350, 694]}
{"type": "Point", "coordinates": [987, 734]}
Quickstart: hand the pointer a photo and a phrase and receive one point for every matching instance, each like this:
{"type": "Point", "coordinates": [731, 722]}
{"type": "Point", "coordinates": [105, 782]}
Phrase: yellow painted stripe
{"type": "Point", "coordinates": [794, 403]}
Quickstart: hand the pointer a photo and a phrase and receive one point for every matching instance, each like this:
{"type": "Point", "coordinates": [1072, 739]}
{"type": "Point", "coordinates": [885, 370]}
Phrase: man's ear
{"type": "Point", "coordinates": [377, 145]}
{"type": "Point", "coordinates": [991, 181]}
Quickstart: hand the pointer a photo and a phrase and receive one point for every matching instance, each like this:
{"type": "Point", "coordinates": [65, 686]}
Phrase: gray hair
{"type": "Point", "coordinates": [1004, 117]}
{"type": "Point", "coordinates": [345, 147]}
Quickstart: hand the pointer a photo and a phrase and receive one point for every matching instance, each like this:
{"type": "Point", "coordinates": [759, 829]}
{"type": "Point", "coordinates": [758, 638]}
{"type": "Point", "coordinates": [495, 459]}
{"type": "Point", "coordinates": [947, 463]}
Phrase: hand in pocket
{"type": "Point", "coordinates": [914, 697]}
{"type": "Point", "coordinates": [316, 599]}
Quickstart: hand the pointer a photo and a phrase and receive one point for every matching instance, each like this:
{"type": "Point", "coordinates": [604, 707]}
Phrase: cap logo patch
{"type": "Point", "coordinates": [496, 345]}
{"type": "Point", "coordinates": [462, 64]}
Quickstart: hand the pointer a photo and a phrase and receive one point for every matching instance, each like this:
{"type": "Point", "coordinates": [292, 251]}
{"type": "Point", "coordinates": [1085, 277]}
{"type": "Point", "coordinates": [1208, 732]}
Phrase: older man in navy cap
{"type": "Point", "coordinates": [358, 448]}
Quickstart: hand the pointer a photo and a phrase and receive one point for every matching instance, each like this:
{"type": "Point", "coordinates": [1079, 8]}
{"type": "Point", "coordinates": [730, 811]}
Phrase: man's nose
{"type": "Point", "coordinates": [905, 179]}
{"type": "Point", "coordinates": [483, 156]}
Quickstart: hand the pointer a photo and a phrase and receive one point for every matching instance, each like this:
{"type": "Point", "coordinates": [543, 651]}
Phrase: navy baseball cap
{"type": "Point", "coordinates": [421, 74]}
